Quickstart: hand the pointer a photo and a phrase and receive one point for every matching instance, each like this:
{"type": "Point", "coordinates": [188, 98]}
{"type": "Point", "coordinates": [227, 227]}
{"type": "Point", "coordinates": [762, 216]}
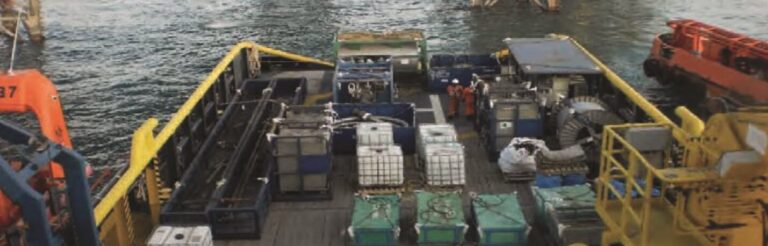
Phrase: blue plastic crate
{"type": "Point", "coordinates": [546, 181]}
{"type": "Point", "coordinates": [574, 179]}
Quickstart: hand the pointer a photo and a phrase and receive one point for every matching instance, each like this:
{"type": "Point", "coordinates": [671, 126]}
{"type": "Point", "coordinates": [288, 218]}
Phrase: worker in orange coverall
{"type": "Point", "coordinates": [469, 101]}
{"type": "Point", "coordinates": [454, 98]}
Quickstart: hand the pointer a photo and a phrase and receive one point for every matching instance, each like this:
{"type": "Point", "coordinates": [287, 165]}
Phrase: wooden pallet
{"type": "Point", "coordinates": [444, 188]}
{"type": "Point", "coordinates": [383, 190]}
{"type": "Point", "coordinates": [519, 177]}
{"type": "Point", "coordinates": [579, 168]}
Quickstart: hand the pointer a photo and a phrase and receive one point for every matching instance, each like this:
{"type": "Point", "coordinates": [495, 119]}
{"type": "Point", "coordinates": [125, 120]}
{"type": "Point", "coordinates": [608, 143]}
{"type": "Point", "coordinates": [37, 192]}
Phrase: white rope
{"type": "Point", "coordinates": [15, 40]}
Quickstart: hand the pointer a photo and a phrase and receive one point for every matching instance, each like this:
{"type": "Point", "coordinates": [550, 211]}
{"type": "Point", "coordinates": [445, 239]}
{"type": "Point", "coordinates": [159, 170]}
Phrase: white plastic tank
{"type": "Point", "coordinates": [435, 133]}
{"type": "Point", "coordinates": [293, 141]}
{"type": "Point", "coordinates": [181, 236]}
{"type": "Point", "coordinates": [380, 165]}
{"type": "Point", "coordinates": [201, 236]}
{"type": "Point", "coordinates": [159, 236]}
{"type": "Point", "coordinates": [375, 134]}
{"type": "Point", "coordinates": [444, 164]}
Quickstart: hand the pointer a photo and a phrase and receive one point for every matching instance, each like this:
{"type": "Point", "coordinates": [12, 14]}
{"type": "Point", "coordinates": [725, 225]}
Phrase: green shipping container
{"type": "Point", "coordinates": [375, 221]}
{"type": "Point", "coordinates": [440, 218]}
{"type": "Point", "coordinates": [500, 220]}
{"type": "Point", "coordinates": [569, 214]}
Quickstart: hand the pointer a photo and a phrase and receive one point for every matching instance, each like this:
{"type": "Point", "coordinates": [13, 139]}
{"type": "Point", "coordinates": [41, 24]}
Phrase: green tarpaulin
{"type": "Point", "coordinates": [500, 220]}
{"type": "Point", "coordinates": [375, 220]}
{"type": "Point", "coordinates": [440, 218]}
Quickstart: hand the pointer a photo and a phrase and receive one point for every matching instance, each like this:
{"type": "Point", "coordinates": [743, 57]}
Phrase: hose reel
{"type": "Point", "coordinates": [580, 120]}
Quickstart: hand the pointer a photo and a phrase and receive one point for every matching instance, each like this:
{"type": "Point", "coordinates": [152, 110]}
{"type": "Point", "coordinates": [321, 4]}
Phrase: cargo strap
{"type": "Point", "coordinates": [490, 207]}
{"type": "Point", "coordinates": [572, 199]}
{"type": "Point", "coordinates": [380, 206]}
{"type": "Point", "coordinates": [437, 205]}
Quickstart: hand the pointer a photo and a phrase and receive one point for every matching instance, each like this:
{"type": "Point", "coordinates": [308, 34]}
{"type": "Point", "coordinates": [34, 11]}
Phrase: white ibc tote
{"type": "Point", "coordinates": [435, 133]}
{"type": "Point", "coordinates": [444, 164]}
{"type": "Point", "coordinates": [380, 165]}
{"type": "Point", "coordinates": [374, 134]}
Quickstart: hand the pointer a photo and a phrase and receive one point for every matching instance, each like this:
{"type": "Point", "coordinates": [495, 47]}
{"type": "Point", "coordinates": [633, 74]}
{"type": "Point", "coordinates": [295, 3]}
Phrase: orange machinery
{"type": "Point", "coordinates": [732, 67]}
{"type": "Point", "coordinates": [30, 91]}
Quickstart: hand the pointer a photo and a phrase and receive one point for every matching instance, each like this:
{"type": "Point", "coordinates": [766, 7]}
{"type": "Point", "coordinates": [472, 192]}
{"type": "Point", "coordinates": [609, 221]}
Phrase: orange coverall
{"type": "Point", "coordinates": [469, 102]}
{"type": "Point", "coordinates": [454, 99]}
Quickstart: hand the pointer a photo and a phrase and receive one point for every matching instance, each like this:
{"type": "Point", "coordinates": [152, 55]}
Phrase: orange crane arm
{"type": "Point", "coordinates": [30, 91]}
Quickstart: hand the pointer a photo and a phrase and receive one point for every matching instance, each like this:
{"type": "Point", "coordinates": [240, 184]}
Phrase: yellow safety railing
{"type": "Point", "coordinates": [145, 146]}
{"type": "Point", "coordinates": [644, 186]}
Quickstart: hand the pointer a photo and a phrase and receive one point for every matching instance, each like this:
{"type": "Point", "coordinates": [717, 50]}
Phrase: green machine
{"type": "Point", "coordinates": [440, 218]}
{"type": "Point", "coordinates": [499, 220]}
{"type": "Point", "coordinates": [375, 221]}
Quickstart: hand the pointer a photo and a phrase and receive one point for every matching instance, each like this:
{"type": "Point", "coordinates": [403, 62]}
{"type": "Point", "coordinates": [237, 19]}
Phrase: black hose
{"type": "Point", "coordinates": [363, 116]}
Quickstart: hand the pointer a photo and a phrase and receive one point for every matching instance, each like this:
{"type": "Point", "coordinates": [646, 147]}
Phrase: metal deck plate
{"type": "Point", "coordinates": [550, 56]}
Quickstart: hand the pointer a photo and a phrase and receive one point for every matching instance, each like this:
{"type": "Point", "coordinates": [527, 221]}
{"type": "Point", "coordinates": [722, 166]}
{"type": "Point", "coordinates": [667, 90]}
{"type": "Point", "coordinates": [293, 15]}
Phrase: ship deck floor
{"type": "Point", "coordinates": [325, 222]}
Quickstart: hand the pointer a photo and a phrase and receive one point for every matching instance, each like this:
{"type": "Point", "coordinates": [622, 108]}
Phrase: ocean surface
{"type": "Point", "coordinates": [118, 62]}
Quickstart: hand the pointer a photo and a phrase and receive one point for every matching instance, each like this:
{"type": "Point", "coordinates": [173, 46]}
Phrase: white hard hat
{"type": "Point", "coordinates": [455, 81]}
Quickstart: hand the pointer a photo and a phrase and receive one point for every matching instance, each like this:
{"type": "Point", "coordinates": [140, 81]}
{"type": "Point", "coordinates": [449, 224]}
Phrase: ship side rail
{"type": "Point", "coordinates": [162, 158]}
{"type": "Point", "coordinates": [632, 190]}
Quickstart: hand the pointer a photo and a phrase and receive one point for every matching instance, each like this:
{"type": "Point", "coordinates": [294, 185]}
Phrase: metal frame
{"type": "Point", "coordinates": [619, 160]}
{"type": "Point", "coordinates": [34, 210]}
{"type": "Point", "coordinates": [148, 149]}
{"type": "Point", "coordinates": [379, 74]}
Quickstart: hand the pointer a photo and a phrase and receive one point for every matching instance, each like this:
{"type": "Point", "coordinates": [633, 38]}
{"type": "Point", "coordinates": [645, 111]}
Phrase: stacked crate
{"type": "Point", "coordinates": [379, 160]}
{"type": "Point", "coordinates": [499, 220]}
{"type": "Point", "coordinates": [569, 214]}
{"type": "Point", "coordinates": [441, 155]}
{"type": "Point", "coordinates": [440, 218]}
{"type": "Point", "coordinates": [302, 151]}
{"type": "Point", "coordinates": [375, 221]}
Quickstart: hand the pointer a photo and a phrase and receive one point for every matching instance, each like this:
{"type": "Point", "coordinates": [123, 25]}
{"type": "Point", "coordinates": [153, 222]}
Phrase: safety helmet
{"type": "Point", "coordinates": [455, 81]}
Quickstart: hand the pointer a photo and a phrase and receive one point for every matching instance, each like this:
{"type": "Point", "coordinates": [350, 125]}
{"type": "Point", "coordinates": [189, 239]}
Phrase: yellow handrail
{"type": "Point", "coordinates": [632, 168]}
{"type": "Point", "coordinates": [691, 123]}
{"type": "Point", "coordinates": [145, 146]}
{"type": "Point", "coordinates": [142, 150]}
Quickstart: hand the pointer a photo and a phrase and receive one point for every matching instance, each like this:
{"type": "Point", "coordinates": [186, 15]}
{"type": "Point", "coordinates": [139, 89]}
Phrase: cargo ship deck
{"type": "Point", "coordinates": [254, 215]}
{"type": "Point", "coordinates": [326, 222]}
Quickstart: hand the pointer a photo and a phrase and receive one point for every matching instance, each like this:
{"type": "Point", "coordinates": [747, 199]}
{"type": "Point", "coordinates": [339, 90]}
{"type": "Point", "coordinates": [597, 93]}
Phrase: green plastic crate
{"type": "Point", "coordinates": [375, 221]}
{"type": "Point", "coordinates": [440, 218]}
{"type": "Point", "coordinates": [569, 214]}
{"type": "Point", "coordinates": [570, 202]}
{"type": "Point", "coordinates": [500, 220]}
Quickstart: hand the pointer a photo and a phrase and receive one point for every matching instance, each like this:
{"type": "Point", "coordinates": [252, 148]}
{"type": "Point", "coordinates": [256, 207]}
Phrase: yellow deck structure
{"type": "Point", "coordinates": [706, 198]}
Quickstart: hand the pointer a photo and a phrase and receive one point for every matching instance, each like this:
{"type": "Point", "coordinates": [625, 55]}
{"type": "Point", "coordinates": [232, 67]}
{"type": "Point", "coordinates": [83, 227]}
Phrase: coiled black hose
{"type": "Point", "coordinates": [362, 116]}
